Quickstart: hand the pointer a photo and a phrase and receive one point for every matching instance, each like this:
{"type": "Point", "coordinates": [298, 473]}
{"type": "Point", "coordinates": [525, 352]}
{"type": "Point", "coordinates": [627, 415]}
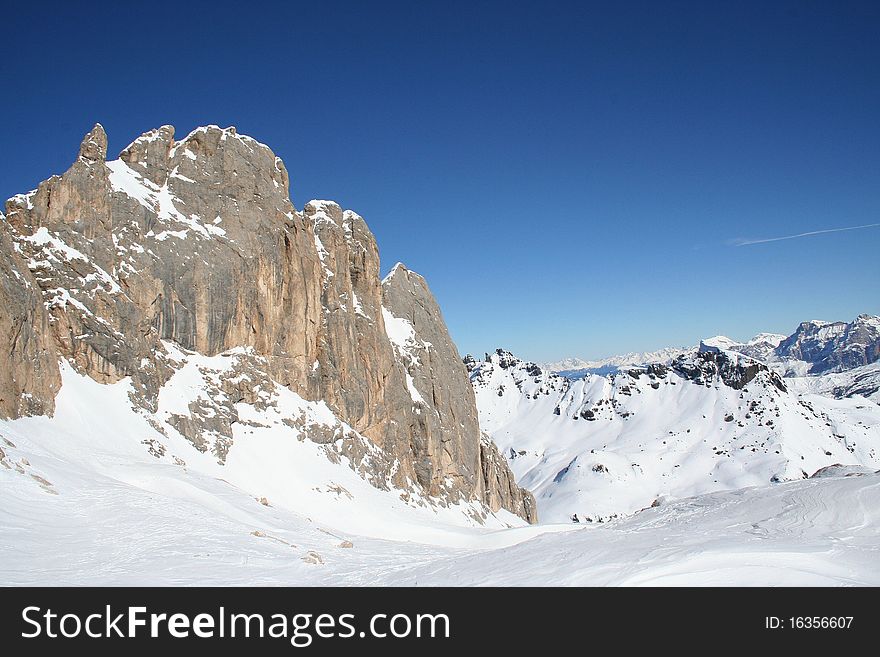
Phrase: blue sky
{"type": "Point", "coordinates": [572, 179]}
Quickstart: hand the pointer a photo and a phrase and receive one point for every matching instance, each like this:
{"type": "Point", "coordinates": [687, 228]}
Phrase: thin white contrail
{"type": "Point", "coordinates": [745, 242]}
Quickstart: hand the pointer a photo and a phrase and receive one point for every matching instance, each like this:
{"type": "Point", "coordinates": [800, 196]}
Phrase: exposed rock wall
{"type": "Point", "coordinates": [29, 376]}
{"type": "Point", "coordinates": [445, 454]}
{"type": "Point", "coordinates": [834, 346]}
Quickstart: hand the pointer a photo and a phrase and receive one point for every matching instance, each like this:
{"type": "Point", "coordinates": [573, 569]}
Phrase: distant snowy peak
{"type": "Point", "coordinates": [717, 343]}
{"type": "Point", "coordinates": [773, 339]}
{"type": "Point", "coordinates": [816, 346]}
{"type": "Point", "coordinates": [708, 365]}
{"type": "Point", "coordinates": [761, 347]}
{"type": "Point", "coordinates": [571, 363]}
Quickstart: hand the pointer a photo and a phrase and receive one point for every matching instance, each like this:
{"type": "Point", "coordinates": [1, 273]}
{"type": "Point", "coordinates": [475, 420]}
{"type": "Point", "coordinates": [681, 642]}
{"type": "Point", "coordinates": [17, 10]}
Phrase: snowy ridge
{"type": "Point", "coordinates": [397, 266]}
{"type": "Point", "coordinates": [226, 133]}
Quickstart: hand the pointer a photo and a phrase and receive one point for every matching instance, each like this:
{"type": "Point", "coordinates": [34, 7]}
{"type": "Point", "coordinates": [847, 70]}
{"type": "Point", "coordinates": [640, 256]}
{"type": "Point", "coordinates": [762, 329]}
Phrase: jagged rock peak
{"type": "Point", "coordinates": [400, 270]}
{"type": "Point", "coordinates": [506, 359]}
{"type": "Point", "coordinates": [94, 145]}
{"type": "Point", "coordinates": [156, 155]}
{"type": "Point", "coordinates": [834, 346]}
{"type": "Point", "coordinates": [151, 149]}
{"type": "Point", "coordinates": [733, 369]}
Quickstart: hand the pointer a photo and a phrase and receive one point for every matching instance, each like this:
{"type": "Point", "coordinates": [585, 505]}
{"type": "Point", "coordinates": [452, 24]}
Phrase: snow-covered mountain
{"type": "Point", "coordinates": [761, 347]}
{"type": "Point", "coordinates": [833, 346]}
{"type": "Point", "coordinates": [815, 347]}
{"type": "Point", "coordinates": [858, 382]}
{"type": "Point", "coordinates": [598, 447]}
{"type": "Point", "coordinates": [595, 439]}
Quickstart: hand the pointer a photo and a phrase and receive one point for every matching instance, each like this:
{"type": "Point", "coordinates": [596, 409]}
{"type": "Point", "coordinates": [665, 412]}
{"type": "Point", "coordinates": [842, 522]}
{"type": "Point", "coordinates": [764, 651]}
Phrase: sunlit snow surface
{"type": "Point", "coordinates": [599, 448]}
{"type": "Point", "coordinates": [85, 503]}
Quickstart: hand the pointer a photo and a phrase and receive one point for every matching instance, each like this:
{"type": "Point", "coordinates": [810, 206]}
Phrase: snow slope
{"type": "Point", "coordinates": [106, 493]}
{"type": "Point", "coordinates": [599, 447]}
{"type": "Point", "coordinates": [98, 435]}
{"type": "Point", "coordinates": [89, 505]}
{"type": "Point", "coordinates": [859, 382]}
{"type": "Point", "coordinates": [818, 532]}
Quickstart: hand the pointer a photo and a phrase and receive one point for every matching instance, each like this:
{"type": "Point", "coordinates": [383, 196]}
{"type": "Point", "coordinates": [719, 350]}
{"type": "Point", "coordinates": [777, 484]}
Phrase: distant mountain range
{"type": "Point", "coordinates": [815, 347]}
{"type": "Point", "coordinates": [574, 366]}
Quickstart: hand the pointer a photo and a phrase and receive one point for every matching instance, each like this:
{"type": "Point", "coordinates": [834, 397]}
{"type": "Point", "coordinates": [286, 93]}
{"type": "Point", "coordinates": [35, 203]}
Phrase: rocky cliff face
{"type": "Point", "coordinates": [194, 246]}
{"type": "Point", "coordinates": [834, 346]}
{"type": "Point", "coordinates": [434, 370]}
{"type": "Point", "coordinates": [29, 375]}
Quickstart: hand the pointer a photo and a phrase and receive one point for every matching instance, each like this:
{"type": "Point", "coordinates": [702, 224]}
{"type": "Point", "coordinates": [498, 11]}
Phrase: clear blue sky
{"type": "Point", "coordinates": [569, 177]}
